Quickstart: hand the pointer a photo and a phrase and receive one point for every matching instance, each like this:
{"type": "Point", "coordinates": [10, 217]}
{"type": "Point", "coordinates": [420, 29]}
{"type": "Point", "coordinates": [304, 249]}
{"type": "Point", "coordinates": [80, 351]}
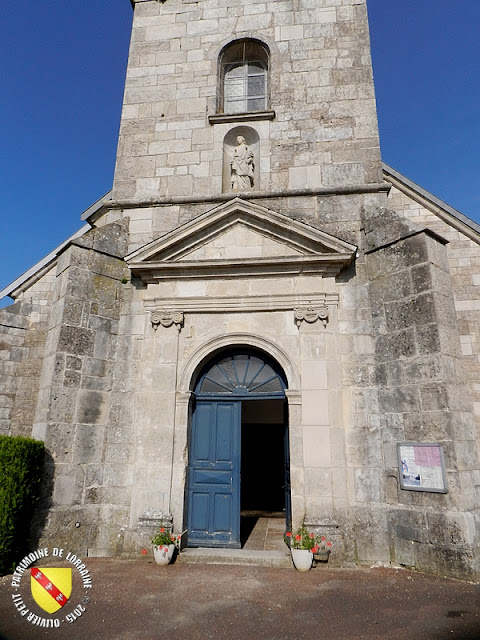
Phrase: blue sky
{"type": "Point", "coordinates": [63, 69]}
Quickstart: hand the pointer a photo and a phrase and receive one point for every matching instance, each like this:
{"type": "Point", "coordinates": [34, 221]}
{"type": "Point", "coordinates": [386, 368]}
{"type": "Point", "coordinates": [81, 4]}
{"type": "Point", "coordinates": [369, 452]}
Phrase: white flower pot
{"type": "Point", "coordinates": [302, 559]}
{"type": "Point", "coordinates": [163, 554]}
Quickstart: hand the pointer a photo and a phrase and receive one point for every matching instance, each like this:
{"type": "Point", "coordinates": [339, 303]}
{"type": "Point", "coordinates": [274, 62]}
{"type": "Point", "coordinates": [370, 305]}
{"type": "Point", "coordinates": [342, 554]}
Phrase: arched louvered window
{"type": "Point", "coordinates": [240, 374]}
{"type": "Point", "coordinates": [243, 81]}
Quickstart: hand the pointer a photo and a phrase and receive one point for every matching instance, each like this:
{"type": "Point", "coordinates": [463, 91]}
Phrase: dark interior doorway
{"type": "Point", "coordinates": [262, 462]}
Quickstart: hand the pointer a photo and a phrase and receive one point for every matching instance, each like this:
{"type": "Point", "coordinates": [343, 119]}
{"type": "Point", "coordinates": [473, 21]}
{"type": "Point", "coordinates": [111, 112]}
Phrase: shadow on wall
{"type": "Point", "coordinates": [40, 514]}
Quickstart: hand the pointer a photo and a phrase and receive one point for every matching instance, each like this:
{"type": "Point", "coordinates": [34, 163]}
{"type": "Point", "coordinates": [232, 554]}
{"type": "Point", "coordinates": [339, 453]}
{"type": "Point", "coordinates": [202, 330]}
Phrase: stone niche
{"type": "Point", "coordinates": [241, 160]}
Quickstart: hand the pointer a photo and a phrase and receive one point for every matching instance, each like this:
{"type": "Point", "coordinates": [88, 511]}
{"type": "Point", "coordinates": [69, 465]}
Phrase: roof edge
{"type": "Point", "coordinates": [455, 218]}
{"type": "Point", "coordinates": [42, 264]}
{"type": "Point", "coordinates": [95, 209]}
{"type": "Point", "coordinates": [89, 215]}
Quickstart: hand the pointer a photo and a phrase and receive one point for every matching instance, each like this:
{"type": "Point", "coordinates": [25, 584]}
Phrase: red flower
{"type": "Point", "coordinates": [162, 530]}
{"type": "Point", "coordinates": [298, 537]}
{"type": "Point", "coordinates": [323, 538]}
{"type": "Point", "coordinates": [329, 544]}
{"type": "Point", "coordinates": [288, 534]}
{"type": "Point", "coordinates": [144, 552]}
{"type": "Point", "coordinates": [312, 535]}
{"type": "Point", "coordinates": [315, 549]}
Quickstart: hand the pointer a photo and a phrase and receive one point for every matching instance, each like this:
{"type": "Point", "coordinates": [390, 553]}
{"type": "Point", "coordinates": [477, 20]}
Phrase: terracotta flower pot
{"type": "Point", "coordinates": [163, 554]}
{"type": "Point", "coordinates": [302, 559]}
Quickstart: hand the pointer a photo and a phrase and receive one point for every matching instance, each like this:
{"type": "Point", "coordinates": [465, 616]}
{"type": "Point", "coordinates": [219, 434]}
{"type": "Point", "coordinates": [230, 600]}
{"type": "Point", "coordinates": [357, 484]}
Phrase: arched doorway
{"type": "Point", "coordinates": [239, 452]}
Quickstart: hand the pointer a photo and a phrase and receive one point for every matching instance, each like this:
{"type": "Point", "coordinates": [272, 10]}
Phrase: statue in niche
{"type": "Point", "coordinates": [242, 166]}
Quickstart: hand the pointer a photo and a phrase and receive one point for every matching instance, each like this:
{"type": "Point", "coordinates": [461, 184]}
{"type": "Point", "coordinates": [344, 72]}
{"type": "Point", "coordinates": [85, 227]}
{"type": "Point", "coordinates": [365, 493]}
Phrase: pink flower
{"type": "Point", "coordinates": [329, 544]}
{"type": "Point", "coordinates": [312, 535]}
{"type": "Point", "coordinates": [323, 538]}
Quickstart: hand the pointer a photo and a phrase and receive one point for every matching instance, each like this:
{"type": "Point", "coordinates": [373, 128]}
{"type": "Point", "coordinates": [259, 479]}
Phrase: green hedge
{"type": "Point", "coordinates": [21, 471]}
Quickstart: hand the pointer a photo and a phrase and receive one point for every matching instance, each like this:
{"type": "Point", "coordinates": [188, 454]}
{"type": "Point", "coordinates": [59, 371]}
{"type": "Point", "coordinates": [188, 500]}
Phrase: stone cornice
{"type": "Point", "coordinates": [324, 265]}
{"type": "Point", "coordinates": [240, 304]}
{"type": "Point", "coordinates": [252, 195]}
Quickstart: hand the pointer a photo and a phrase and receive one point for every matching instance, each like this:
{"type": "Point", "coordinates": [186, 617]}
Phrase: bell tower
{"type": "Point", "coordinates": [267, 100]}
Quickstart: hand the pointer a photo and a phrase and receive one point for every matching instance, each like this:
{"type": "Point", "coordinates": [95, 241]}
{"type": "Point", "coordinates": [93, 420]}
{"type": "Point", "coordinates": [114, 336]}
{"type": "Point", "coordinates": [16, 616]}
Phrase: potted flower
{"type": "Point", "coordinates": [303, 545]}
{"type": "Point", "coordinates": [163, 546]}
{"type": "Point", "coordinates": [321, 551]}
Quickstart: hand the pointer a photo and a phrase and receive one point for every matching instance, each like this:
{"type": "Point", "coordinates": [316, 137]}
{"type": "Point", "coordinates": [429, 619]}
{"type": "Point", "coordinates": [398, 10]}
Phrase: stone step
{"type": "Point", "coordinates": [279, 559]}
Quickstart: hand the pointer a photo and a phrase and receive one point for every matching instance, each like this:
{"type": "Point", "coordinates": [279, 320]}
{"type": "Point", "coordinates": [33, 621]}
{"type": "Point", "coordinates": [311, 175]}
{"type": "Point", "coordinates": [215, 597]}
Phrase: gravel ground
{"type": "Point", "coordinates": [137, 599]}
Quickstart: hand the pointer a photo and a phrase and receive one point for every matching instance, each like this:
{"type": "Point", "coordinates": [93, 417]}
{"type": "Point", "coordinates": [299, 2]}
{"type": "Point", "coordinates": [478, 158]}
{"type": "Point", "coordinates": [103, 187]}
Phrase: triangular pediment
{"type": "Point", "coordinates": [240, 238]}
{"type": "Point", "coordinates": [241, 241]}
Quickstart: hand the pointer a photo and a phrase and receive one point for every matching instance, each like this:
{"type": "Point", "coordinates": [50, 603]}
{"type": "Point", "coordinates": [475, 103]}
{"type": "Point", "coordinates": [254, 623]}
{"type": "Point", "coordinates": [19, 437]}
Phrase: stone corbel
{"type": "Point", "coordinates": [167, 319]}
{"type": "Point", "coordinates": [311, 315]}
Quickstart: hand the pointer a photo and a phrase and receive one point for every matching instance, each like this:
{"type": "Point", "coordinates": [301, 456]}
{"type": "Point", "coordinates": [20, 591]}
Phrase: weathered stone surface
{"type": "Point", "coordinates": [384, 226]}
{"type": "Point", "coordinates": [92, 407]}
{"type": "Point", "coordinates": [407, 525]}
{"type": "Point", "coordinates": [88, 446]}
{"type": "Point", "coordinates": [394, 257]}
{"type": "Point", "coordinates": [109, 240]}
{"type": "Point", "coordinates": [72, 379]}
{"type": "Point", "coordinates": [76, 340]}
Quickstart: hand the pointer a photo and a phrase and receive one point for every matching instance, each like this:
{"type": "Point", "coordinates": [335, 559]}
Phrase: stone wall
{"type": "Point", "coordinates": [322, 138]}
{"type": "Point", "coordinates": [23, 329]}
{"type": "Point", "coordinates": [464, 260]}
{"type": "Point", "coordinates": [324, 131]}
{"type": "Point", "coordinates": [75, 386]}
{"type": "Point", "coordinates": [13, 327]}
{"type": "Point", "coordinates": [421, 395]}
{"type": "Point", "coordinates": [338, 215]}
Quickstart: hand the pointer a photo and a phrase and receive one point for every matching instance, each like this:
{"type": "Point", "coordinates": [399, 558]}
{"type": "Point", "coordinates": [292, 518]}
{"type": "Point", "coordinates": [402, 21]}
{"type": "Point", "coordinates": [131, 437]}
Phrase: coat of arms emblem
{"type": "Point", "coordinates": [51, 587]}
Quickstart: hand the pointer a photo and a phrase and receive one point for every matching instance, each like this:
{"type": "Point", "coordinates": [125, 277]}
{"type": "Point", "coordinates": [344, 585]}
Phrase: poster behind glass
{"type": "Point", "coordinates": [421, 467]}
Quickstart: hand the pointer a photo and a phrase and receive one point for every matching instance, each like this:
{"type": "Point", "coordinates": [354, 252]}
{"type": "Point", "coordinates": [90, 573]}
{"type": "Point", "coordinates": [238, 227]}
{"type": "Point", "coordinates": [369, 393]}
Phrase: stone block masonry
{"type": "Point", "coordinates": [421, 391]}
{"type": "Point", "coordinates": [23, 331]}
{"type": "Point", "coordinates": [266, 232]}
{"type": "Point", "coordinates": [73, 411]}
{"type": "Point", "coordinates": [324, 133]}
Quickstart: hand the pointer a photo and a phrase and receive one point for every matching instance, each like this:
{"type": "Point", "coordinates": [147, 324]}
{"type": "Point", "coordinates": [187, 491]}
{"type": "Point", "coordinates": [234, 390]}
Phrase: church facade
{"type": "Point", "coordinates": [261, 315]}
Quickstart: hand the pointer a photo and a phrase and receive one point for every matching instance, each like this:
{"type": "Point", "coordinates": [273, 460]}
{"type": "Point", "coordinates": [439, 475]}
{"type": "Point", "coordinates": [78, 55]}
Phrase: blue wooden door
{"type": "Point", "coordinates": [214, 475]}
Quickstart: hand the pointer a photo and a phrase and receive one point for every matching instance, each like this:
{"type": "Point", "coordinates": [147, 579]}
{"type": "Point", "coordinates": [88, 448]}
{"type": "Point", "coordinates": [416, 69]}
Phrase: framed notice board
{"type": "Point", "coordinates": [421, 467]}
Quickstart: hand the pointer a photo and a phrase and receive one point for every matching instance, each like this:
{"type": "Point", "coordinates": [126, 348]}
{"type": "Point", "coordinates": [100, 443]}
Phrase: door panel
{"type": "Point", "coordinates": [199, 510]}
{"type": "Point", "coordinates": [206, 477]}
{"type": "Point", "coordinates": [214, 475]}
{"type": "Point", "coordinates": [222, 521]}
{"type": "Point", "coordinates": [224, 440]}
{"type": "Point", "coordinates": [201, 437]}
{"type": "Point", "coordinates": [288, 493]}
